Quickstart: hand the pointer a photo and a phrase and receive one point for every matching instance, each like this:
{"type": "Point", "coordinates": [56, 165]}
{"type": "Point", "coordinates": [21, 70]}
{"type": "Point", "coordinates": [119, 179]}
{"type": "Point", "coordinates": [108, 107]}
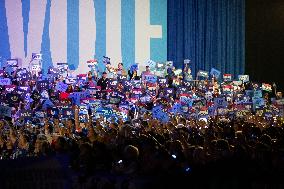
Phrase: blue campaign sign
{"type": "Point", "coordinates": [157, 110]}
{"type": "Point", "coordinates": [40, 114]}
{"type": "Point", "coordinates": [113, 83]}
{"type": "Point", "coordinates": [257, 93]}
{"type": "Point", "coordinates": [47, 104]}
{"type": "Point", "coordinates": [186, 100]}
{"type": "Point", "coordinates": [25, 114]}
{"type": "Point", "coordinates": [169, 91]}
{"type": "Point", "coordinates": [220, 102]}
{"type": "Point", "coordinates": [162, 81]}
{"type": "Point", "coordinates": [54, 112]}
{"type": "Point", "coordinates": [176, 109]}
{"type": "Point", "coordinates": [5, 81]}
{"type": "Point", "coordinates": [42, 85]}
{"type": "Point", "coordinates": [258, 102]}
{"type": "Point", "coordinates": [250, 93]}
{"type": "Point", "coordinates": [62, 87]}
{"type": "Point", "coordinates": [202, 73]}
{"type": "Point", "coordinates": [214, 72]}
{"type": "Point", "coordinates": [5, 111]}
{"type": "Point", "coordinates": [67, 112]}
{"type": "Point", "coordinates": [151, 78]}
{"type": "Point", "coordinates": [243, 78]}
{"type": "Point", "coordinates": [159, 114]}
{"type": "Point", "coordinates": [106, 112]}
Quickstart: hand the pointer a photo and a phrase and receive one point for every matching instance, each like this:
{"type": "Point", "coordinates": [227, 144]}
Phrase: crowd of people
{"type": "Point", "coordinates": [142, 131]}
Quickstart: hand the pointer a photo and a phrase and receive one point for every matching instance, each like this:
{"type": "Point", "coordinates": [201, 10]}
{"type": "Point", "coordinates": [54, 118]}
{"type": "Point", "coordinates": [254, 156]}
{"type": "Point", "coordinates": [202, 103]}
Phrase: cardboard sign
{"type": "Point", "coordinates": [5, 111]}
{"type": "Point", "coordinates": [5, 81]}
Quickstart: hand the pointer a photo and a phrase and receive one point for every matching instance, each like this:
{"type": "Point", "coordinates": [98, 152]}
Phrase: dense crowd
{"type": "Point", "coordinates": [145, 133]}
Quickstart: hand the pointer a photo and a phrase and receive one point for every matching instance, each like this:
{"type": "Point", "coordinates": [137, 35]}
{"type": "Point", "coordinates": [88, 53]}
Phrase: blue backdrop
{"type": "Point", "coordinates": [211, 33]}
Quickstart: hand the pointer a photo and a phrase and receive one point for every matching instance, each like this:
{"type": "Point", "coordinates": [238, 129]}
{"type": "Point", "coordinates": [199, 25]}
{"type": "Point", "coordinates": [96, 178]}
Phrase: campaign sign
{"type": "Point", "coordinates": [162, 81]}
{"type": "Point", "coordinates": [62, 87]}
{"type": "Point", "coordinates": [42, 85]}
{"type": "Point", "coordinates": [266, 87]}
{"type": "Point", "coordinates": [112, 83]}
{"type": "Point", "coordinates": [137, 91]}
{"type": "Point", "coordinates": [25, 114]}
{"type": "Point", "coordinates": [159, 114]}
{"type": "Point", "coordinates": [169, 91]}
{"type": "Point", "coordinates": [36, 67]}
{"type": "Point", "coordinates": [220, 102]}
{"type": "Point", "coordinates": [36, 56]}
{"type": "Point", "coordinates": [53, 112]}
{"type": "Point", "coordinates": [67, 113]}
{"type": "Point", "coordinates": [152, 64]}
{"type": "Point", "coordinates": [243, 78]}
{"type": "Point", "coordinates": [95, 104]}
{"type": "Point", "coordinates": [214, 72]}
{"type": "Point", "coordinates": [145, 99]}
{"type": "Point", "coordinates": [151, 78]}
{"type": "Point", "coordinates": [83, 110]}
{"type": "Point", "coordinates": [257, 94]}
{"type": "Point", "coordinates": [186, 100]}
{"type": "Point", "coordinates": [258, 102]}
{"type": "Point", "coordinates": [114, 100]}
{"type": "Point", "coordinates": [106, 112]}
{"type": "Point", "coordinates": [12, 62]}
{"type": "Point", "coordinates": [106, 60]}
{"type": "Point", "coordinates": [10, 88]}
{"type": "Point", "coordinates": [136, 83]}
{"type": "Point", "coordinates": [186, 61]}
{"type": "Point", "coordinates": [62, 66]}
{"type": "Point", "coordinates": [227, 77]}
{"type": "Point", "coordinates": [70, 80]}
{"type": "Point", "coordinates": [176, 109]}
{"type": "Point", "coordinates": [40, 114]}
{"type": "Point", "coordinates": [5, 111]}
{"type": "Point", "coordinates": [5, 81]}
{"type": "Point", "coordinates": [202, 73]}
